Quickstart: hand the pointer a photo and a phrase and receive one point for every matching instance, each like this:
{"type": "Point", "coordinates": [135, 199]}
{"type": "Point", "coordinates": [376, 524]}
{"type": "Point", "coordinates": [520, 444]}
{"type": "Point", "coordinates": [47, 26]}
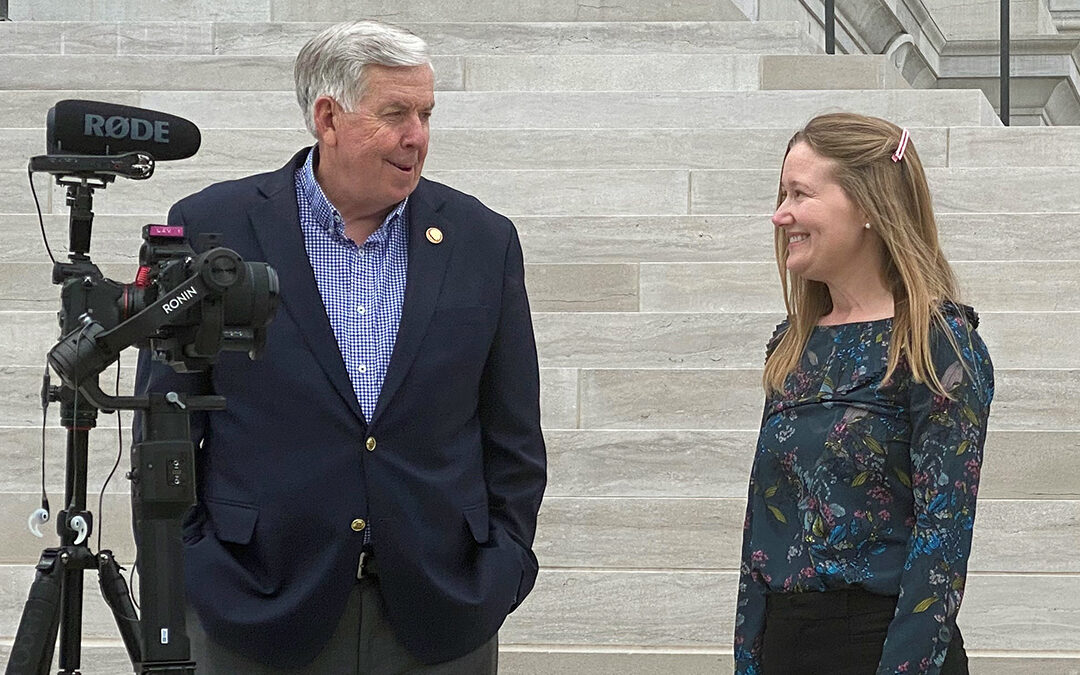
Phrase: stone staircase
{"type": "Point", "coordinates": [637, 148]}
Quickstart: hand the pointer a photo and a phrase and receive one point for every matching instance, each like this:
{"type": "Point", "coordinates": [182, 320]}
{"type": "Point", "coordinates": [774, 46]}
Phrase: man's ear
{"type": "Point", "coordinates": [324, 113]}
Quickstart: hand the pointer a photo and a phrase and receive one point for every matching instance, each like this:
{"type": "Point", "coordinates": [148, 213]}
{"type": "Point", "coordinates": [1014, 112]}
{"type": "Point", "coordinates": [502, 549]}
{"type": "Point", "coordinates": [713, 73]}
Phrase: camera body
{"type": "Point", "coordinates": [197, 331]}
{"type": "Point", "coordinates": [184, 306]}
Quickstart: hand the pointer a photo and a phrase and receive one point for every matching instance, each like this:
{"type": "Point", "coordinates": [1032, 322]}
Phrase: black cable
{"type": "Point", "coordinates": [116, 464]}
{"type": "Point", "coordinates": [134, 575]}
{"type": "Point", "coordinates": [75, 385]}
{"type": "Point", "coordinates": [41, 220]}
{"type": "Point", "coordinates": [44, 422]}
{"type": "Point", "coordinates": [45, 379]}
{"type": "Point", "coordinates": [104, 486]}
{"type": "Point", "coordinates": [75, 408]}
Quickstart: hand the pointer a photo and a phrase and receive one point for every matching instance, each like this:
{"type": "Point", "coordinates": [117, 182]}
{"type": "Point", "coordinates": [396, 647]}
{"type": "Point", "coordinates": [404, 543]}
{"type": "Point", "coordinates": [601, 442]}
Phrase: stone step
{"type": "Point", "coordinates": [661, 339]}
{"type": "Point", "coordinates": [114, 239]}
{"type": "Point", "coordinates": [1030, 288]}
{"type": "Point", "coordinates": [511, 192]}
{"type": "Point", "coordinates": [175, 73]}
{"type": "Point", "coordinates": [109, 656]}
{"type": "Point", "coordinates": [605, 462]}
{"type": "Point", "coordinates": [631, 398]}
{"type": "Point", "coordinates": [688, 534]}
{"type": "Point", "coordinates": [539, 110]}
{"type": "Point", "coordinates": [604, 192]}
{"type": "Point", "coordinates": [20, 454]}
{"type": "Point", "coordinates": [706, 534]}
{"type": "Point", "coordinates": [716, 463]}
{"type": "Point", "coordinates": [523, 72]}
{"type": "Point", "coordinates": [20, 387]}
{"type": "Point", "coordinates": [581, 72]}
{"type": "Point", "coordinates": [668, 340]}
{"type": "Point", "coordinates": [386, 10]}
{"type": "Point", "coordinates": [825, 71]}
{"type": "Point", "coordinates": [473, 38]}
{"type": "Point", "coordinates": [1017, 146]}
{"type": "Point", "coordinates": [620, 609]}
{"type": "Point", "coordinates": [508, 149]}
{"type": "Point", "coordinates": [1012, 238]}
{"type": "Point", "coordinates": [567, 149]}
{"type": "Point", "coordinates": [654, 398]}
{"type": "Point", "coordinates": [989, 286]}
{"type": "Point", "coordinates": [631, 72]}
{"type": "Point", "coordinates": [966, 190]}
{"type": "Point", "coordinates": [738, 238]}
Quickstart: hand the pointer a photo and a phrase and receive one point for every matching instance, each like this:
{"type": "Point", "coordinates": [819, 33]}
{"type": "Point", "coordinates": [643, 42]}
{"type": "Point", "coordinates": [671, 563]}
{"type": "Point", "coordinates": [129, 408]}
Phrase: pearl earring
{"type": "Point", "coordinates": [867, 226]}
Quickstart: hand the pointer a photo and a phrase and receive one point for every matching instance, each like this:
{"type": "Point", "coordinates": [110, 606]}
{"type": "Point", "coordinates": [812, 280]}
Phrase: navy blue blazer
{"type": "Point", "coordinates": [453, 483]}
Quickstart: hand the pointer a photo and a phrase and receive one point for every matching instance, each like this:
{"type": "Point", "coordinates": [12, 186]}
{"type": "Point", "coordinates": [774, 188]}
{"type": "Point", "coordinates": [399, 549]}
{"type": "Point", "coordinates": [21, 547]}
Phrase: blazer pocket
{"type": "Point", "coordinates": [477, 519]}
{"type": "Point", "coordinates": [233, 522]}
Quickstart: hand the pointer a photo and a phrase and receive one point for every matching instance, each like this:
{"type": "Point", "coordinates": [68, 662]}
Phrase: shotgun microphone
{"type": "Point", "coordinates": [94, 128]}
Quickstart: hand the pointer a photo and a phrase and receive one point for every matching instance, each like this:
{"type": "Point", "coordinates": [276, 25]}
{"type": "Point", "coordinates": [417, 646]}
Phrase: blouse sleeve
{"type": "Point", "coordinates": [750, 607]}
{"type": "Point", "coordinates": [947, 435]}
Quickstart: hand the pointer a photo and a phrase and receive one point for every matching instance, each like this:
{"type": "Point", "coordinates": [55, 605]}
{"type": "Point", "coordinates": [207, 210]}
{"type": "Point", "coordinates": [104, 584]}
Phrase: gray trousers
{"type": "Point", "coordinates": [362, 644]}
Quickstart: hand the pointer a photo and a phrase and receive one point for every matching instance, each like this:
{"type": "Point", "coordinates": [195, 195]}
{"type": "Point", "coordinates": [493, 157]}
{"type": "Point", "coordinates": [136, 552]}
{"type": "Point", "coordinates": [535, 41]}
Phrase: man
{"type": "Point", "coordinates": [368, 500]}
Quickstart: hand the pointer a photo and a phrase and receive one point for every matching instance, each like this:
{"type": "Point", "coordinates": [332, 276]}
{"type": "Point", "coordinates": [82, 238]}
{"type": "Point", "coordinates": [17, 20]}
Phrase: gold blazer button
{"type": "Point", "coordinates": [434, 235]}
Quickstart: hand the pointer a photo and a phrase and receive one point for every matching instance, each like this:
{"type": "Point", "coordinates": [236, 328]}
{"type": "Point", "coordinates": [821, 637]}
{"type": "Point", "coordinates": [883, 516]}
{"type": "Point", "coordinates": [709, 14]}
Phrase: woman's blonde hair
{"type": "Point", "coordinates": [895, 199]}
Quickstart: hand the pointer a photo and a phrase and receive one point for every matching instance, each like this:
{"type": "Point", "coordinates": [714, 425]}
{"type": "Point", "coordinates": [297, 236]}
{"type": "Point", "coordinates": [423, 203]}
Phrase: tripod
{"type": "Point", "coordinates": [162, 489]}
{"type": "Point", "coordinates": [163, 486]}
{"type": "Point", "coordinates": [186, 307]}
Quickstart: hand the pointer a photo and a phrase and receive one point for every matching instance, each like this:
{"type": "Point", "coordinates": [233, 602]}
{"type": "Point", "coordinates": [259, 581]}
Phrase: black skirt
{"type": "Point", "coordinates": [835, 633]}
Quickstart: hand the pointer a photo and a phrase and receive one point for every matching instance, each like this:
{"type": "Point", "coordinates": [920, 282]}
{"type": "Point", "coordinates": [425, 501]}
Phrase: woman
{"type": "Point", "coordinates": [862, 493]}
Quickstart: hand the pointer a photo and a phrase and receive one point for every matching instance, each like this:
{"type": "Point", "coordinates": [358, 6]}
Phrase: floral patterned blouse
{"type": "Point", "coordinates": [856, 483]}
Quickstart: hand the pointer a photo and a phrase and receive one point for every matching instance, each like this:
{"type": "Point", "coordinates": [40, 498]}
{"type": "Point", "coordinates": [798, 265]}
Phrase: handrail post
{"type": "Point", "coordinates": [3, 10]}
{"type": "Point", "coordinates": [830, 26]}
{"type": "Point", "coordinates": [1003, 102]}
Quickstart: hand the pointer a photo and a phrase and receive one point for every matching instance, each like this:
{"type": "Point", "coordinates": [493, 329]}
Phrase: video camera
{"type": "Point", "coordinates": [186, 304]}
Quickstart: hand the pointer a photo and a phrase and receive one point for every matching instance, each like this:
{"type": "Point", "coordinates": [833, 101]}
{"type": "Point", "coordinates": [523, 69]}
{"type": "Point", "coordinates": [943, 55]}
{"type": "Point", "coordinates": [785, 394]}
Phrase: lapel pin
{"type": "Point", "coordinates": [434, 235]}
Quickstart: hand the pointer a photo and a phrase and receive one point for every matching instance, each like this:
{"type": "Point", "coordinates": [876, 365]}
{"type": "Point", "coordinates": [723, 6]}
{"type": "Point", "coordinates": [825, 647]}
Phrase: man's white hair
{"type": "Point", "coordinates": [333, 62]}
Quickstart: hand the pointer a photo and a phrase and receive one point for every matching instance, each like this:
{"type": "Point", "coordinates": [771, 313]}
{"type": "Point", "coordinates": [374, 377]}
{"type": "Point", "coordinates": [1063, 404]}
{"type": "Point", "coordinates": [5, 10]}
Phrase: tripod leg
{"type": "Point", "coordinates": [71, 604]}
{"type": "Point", "coordinates": [35, 640]}
{"type": "Point", "coordinates": [115, 590]}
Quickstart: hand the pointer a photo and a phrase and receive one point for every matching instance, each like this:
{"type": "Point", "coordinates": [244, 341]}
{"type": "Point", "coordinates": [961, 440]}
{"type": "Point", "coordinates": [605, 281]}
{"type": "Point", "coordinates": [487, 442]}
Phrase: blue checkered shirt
{"type": "Point", "coordinates": [362, 287]}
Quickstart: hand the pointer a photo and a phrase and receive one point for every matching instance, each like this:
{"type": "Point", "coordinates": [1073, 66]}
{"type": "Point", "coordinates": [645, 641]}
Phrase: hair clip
{"type": "Point", "coordinates": [904, 138]}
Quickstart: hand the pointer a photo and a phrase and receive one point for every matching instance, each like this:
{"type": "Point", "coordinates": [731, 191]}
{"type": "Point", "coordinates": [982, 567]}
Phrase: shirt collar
{"type": "Point", "coordinates": [325, 214]}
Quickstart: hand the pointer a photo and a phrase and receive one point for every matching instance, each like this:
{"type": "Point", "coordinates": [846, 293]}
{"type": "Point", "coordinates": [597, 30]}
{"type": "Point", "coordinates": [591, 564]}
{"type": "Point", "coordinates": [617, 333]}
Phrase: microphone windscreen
{"type": "Point", "coordinates": [94, 128]}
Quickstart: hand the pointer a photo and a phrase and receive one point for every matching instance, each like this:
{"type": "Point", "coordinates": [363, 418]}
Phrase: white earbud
{"type": "Point", "coordinates": [81, 527]}
{"type": "Point", "coordinates": [38, 518]}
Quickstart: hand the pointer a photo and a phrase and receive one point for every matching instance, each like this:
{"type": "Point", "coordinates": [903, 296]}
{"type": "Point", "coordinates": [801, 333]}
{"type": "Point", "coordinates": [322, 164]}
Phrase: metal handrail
{"type": "Point", "coordinates": [1003, 103]}
{"type": "Point", "coordinates": [830, 26]}
{"type": "Point", "coordinates": [3, 10]}
{"type": "Point", "coordinates": [1003, 38]}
